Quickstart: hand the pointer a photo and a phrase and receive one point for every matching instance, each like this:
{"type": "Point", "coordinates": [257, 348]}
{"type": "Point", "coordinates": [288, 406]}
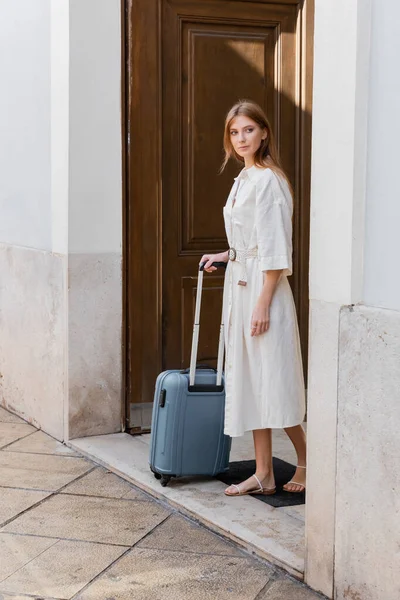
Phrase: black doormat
{"type": "Point", "coordinates": [284, 471]}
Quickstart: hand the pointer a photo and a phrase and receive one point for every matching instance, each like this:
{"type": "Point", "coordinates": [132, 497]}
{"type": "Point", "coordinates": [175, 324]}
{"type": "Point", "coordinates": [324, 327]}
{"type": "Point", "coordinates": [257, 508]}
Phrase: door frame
{"type": "Point", "coordinates": [145, 34]}
{"type": "Point", "coordinates": [137, 256]}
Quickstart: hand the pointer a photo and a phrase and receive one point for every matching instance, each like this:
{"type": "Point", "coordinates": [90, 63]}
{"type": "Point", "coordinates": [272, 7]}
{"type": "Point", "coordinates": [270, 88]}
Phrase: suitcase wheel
{"type": "Point", "coordinates": [165, 479]}
{"type": "Point", "coordinates": [156, 475]}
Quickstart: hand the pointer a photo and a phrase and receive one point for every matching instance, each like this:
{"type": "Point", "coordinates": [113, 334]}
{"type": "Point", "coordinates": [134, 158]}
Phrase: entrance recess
{"type": "Point", "coordinates": [187, 62]}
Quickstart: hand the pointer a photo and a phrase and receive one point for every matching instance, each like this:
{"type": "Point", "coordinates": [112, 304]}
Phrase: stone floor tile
{"type": "Point", "coordinates": [7, 417]}
{"type": "Point", "coordinates": [13, 501]}
{"type": "Point", "coordinates": [22, 597]}
{"type": "Point", "coordinates": [17, 550]}
{"type": "Point", "coordinates": [245, 520]}
{"type": "Point", "coordinates": [40, 472]}
{"type": "Point", "coordinates": [92, 519]}
{"type": "Point", "coordinates": [286, 589]}
{"type": "Point", "coordinates": [102, 482]}
{"type": "Point", "coordinates": [41, 443]}
{"type": "Point", "coordinates": [62, 570]}
{"type": "Point", "coordinates": [145, 438]}
{"type": "Point", "coordinates": [145, 574]}
{"type": "Point", "coordinates": [298, 512]}
{"type": "Point", "coordinates": [178, 533]}
{"type": "Point", "coordinates": [10, 432]}
{"type": "Point", "coordinates": [136, 494]}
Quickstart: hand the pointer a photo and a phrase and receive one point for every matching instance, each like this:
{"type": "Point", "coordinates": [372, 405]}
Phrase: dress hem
{"type": "Point", "coordinates": [267, 427]}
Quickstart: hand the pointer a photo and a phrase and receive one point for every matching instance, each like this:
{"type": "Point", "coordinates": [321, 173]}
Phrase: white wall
{"type": "Point", "coordinates": [61, 197]}
{"type": "Point", "coordinates": [339, 153]}
{"type": "Point", "coordinates": [382, 243]}
{"type": "Point", "coordinates": [338, 150]}
{"type": "Point", "coordinates": [354, 370]}
{"type": "Point", "coordinates": [41, 107]}
{"type": "Point", "coordinates": [95, 203]}
{"type": "Point", "coordinates": [94, 218]}
{"type": "Point", "coordinates": [25, 215]}
{"type": "Point", "coordinates": [59, 124]}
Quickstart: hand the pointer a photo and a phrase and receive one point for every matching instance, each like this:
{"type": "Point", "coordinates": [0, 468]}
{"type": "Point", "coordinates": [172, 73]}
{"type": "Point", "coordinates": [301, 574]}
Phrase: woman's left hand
{"type": "Point", "coordinates": [260, 319]}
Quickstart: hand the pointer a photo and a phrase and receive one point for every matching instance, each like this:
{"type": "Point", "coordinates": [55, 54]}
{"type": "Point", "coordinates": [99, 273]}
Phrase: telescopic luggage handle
{"type": "Point", "coordinates": [195, 338]}
{"type": "Point", "coordinates": [222, 265]}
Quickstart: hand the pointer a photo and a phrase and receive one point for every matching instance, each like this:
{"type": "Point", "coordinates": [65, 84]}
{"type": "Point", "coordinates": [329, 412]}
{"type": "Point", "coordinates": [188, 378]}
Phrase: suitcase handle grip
{"type": "Point", "coordinates": [217, 264]}
{"type": "Point", "coordinates": [202, 388]}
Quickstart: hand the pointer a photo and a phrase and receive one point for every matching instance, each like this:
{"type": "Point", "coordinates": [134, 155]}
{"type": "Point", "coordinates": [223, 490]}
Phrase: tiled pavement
{"type": "Point", "coordinates": [70, 529]}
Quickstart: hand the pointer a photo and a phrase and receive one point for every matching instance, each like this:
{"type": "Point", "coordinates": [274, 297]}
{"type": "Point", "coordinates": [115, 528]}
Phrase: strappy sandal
{"type": "Point", "coordinates": [295, 483]}
{"type": "Point", "coordinates": [259, 490]}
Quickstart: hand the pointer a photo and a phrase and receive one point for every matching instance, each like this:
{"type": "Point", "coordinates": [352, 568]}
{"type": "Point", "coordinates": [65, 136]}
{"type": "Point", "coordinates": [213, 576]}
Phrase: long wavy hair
{"type": "Point", "coordinates": [267, 154]}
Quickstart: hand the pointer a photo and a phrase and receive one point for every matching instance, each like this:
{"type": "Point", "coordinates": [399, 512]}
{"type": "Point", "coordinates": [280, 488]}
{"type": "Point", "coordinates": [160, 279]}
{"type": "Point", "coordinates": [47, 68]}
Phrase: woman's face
{"type": "Point", "coordinates": [246, 136]}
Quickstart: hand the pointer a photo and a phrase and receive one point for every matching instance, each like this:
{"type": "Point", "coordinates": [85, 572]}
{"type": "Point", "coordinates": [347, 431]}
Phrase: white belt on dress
{"type": "Point", "coordinates": [241, 256]}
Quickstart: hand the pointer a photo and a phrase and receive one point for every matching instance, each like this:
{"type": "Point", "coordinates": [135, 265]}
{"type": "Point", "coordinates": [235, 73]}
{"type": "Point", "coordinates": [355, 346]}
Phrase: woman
{"type": "Point", "coordinates": [263, 368]}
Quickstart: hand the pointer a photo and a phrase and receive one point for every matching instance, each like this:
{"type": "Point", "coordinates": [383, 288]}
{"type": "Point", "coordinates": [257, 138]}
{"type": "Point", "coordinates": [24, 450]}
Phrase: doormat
{"type": "Point", "coordinates": [284, 471]}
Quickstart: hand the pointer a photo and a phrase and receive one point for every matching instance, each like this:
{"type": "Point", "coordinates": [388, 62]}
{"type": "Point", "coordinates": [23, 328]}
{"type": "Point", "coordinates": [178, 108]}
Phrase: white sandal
{"type": "Point", "coordinates": [295, 483]}
{"type": "Point", "coordinates": [259, 490]}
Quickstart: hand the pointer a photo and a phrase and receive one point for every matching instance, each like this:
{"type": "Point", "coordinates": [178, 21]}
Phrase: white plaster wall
{"type": "Point", "coordinates": [321, 446]}
{"type": "Point", "coordinates": [61, 190]}
{"type": "Point", "coordinates": [367, 525]}
{"type": "Point", "coordinates": [341, 62]}
{"type": "Point", "coordinates": [382, 239]}
{"type": "Point", "coordinates": [59, 44]}
{"type": "Point", "coordinates": [33, 285]}
{"type": "Point", "coordinates": [95, 184]}
{"type": "Point", "coordinates": [352, 525]}
{"type": "Point", "coordinates": [25, 215]}
{"type": "Point", "coordinates": [94, 345]}
{"type": "Point", "coordinates": [367, 557]}
{"type": "Point", "coordinates": [338, 187]}
{"type": "Point", "coordinates": [95, 218]}
{"type": "Point", "coordinates": [32, 334]}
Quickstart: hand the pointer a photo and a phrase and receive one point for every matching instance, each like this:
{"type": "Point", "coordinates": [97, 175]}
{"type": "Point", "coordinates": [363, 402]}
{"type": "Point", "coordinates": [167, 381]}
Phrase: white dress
{"type": "Point", "coordinates": [263, 374]}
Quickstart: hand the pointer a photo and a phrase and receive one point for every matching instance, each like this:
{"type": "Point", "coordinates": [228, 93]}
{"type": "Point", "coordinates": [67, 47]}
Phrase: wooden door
{"type": "Point", "coordinates": [187, 62]}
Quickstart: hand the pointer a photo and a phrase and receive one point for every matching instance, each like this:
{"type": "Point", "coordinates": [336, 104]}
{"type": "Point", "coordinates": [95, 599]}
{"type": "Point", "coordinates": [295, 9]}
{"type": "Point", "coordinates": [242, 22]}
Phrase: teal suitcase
{"type": "Point", "coordinates": [187, 430]}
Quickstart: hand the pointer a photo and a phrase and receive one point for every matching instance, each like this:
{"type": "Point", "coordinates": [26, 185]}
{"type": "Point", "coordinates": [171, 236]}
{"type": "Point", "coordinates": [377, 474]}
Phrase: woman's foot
{"type": "Point", "coordinates": [256, 484]}
{"type": "Point", "coordinates": [298, 483]}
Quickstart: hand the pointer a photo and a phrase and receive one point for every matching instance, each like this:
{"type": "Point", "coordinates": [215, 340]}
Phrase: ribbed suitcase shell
{"type": "Point", "coordinates": [188, 431]}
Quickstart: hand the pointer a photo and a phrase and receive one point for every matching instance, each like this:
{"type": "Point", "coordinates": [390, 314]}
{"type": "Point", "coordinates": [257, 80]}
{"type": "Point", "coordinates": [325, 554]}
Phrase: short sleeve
{"type": "Point", "coordinates": [274, 224]}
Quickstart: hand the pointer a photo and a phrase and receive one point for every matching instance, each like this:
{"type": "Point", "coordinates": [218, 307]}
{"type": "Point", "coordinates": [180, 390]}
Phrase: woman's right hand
{"type": "Point", "coordinates": [210, 258]}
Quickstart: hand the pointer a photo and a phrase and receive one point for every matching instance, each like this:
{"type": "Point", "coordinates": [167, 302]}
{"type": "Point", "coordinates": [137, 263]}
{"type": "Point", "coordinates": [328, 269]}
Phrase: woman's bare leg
{"type": "Point", "coordinates": [298, 439]}
{"type": "Point", "coordinates": [263, 451]}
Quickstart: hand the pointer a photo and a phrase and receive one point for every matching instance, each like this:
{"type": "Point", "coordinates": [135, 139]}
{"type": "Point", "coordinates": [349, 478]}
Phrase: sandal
{"type": "Point", "coordinates": [296, 483]}
{"type": "Point", "coordinates": [259, 490]}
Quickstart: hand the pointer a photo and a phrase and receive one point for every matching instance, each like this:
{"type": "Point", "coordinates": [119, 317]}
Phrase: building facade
{"type": "Point", "coordinates": [66, 132]}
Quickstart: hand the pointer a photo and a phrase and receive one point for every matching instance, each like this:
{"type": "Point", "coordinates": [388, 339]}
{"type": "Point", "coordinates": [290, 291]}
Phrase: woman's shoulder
{"type": "Point", "coordinates": [272, 183]}
{"type": "Point", "coordinates": [266, 174]}
{"type": "Point", "coordinates": [262, 173]}
{"type": "Point", "coordinates": [267, 177]}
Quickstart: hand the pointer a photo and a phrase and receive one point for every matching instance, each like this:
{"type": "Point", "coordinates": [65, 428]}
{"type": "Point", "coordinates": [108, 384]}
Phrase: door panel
{"type": "Point", "coordinates": [188, 61]}
{"type": "Point", "coordinates": [218, 59]}
{"type": "Point", "coordinates": [207, 64]}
